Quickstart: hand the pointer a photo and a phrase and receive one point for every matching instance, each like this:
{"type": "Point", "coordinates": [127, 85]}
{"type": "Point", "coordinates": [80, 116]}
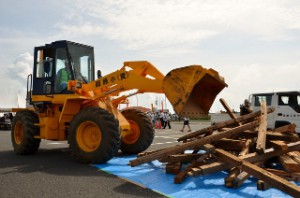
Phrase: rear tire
{"type": "Point", "coordinates": [142, 132]}
{"type": "Point", "coordinates": [94, 135]}
{"type": "Point", "coordinates": [23, 131]}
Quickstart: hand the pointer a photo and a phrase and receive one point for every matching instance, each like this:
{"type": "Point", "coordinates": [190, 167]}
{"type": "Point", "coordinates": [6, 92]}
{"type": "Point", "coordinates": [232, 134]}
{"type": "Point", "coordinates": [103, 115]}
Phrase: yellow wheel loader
{"type": "Point", "coordinates": [67, 102]}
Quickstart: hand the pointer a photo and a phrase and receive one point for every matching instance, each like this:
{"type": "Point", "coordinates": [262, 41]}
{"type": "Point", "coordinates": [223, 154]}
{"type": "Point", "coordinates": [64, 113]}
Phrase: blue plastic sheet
{"type": "Point", "coordinates": [152, 175]}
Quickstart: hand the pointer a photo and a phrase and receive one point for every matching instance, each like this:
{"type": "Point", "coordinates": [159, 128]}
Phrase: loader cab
{"type": "Point", "coordinates": [58, 62]}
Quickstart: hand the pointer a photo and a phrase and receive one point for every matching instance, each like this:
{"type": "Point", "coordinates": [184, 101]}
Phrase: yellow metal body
{"type": "Point", "coordinates": [191, 90]}
{"type": "Point", "coordinates": [103, 92]}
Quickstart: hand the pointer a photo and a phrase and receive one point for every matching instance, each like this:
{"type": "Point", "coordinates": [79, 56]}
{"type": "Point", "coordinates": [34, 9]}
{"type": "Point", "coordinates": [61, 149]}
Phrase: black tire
{"type": "Point", "coordinates": [94, 135]}
{"type": "Point", "coordinates": [23, 131]}
{"type": "Point", "coordinates": [139, 140]}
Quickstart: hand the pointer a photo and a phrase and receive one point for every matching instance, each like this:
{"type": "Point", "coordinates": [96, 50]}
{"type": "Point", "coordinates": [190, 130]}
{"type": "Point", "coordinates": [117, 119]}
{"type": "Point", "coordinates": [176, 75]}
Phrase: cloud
{"type": "Point", "coordinates": [237, 38]}
{"type": "Point", "coordinates": [257, 78]}
{"type": "Point", "coordinates": [142, 24]}
{"type": "Point", "coordinates": [14, 79]}
{"type": "Point", "coordinates": [21, 68]}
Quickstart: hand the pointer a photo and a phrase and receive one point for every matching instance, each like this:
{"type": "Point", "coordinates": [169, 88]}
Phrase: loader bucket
{"type": "Point", "coordinates": [192, 90]}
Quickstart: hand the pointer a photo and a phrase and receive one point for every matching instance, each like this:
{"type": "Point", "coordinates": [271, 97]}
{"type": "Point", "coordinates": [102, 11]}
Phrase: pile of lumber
{"type": "Point", "coordinates": [242, 146]}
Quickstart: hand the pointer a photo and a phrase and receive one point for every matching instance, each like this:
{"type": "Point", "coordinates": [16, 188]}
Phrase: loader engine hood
{"type": "Point", "coordinates": [192, 90]}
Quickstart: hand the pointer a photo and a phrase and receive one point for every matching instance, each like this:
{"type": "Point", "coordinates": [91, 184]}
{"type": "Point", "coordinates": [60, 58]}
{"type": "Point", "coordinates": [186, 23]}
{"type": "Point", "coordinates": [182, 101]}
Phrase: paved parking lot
{"type": "Point", "coordinates": [53, 172]}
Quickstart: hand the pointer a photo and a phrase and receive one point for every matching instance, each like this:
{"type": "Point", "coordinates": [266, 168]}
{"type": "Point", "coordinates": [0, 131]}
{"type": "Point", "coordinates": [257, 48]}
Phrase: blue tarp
{"type": "Point", "coordinates": [152, 175]}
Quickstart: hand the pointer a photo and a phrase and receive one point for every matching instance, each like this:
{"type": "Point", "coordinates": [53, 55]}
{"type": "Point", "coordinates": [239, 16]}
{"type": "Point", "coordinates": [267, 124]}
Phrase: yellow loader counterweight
{"type": "Point", "coordinates": [67, 102]}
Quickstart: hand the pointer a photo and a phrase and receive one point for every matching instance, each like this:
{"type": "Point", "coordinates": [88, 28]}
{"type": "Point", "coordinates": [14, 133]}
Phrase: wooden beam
{"type": "Point", "coordinates": [173, 167]}
{"type": "Point", "coordinates": [289, 164]}
{"type": "Point", "coordinates": [262, 129]}
{"type": "Point", "coordinates": [229, 144]}
{"type": "Point", "coordinates": [192, 145]}
{"type": "Point", "coordinates": [180, 177]}
{"type": "Point", "coordinates": [289, 128]}
{"type": "Point", "coordinates": [260, 173]}
{"type": "Point", "coordinates": [288, 176]}
{"type": "Point", "coordinates": [229, 110]}
{"type": "Point", "coordinates": [246, 148]}
{"type": "Point", "coordinates": [295, 155]}
{"type": "Point", "coordinates": [251, 157]}
{"type": "Point", "coordinates": [231, 177]}
{"type": "Point", "coordinates": [148, 152]}
{"type": "Point", "coordinates": [261, 185]}
{"type": "Point", "coordinates": [182, 157]}
{"type": "Point", "coordinates": [237, 178]}
{"type": "Point", "coordinates": [223, 124]}
{"type": "Point", "coordinates": [277, 144]}
{"type": "Point", "coordinates": [274, 136]}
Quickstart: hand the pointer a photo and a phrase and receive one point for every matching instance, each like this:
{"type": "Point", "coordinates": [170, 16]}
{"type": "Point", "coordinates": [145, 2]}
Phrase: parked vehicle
{"type": "Point", "coordinates": [286, 104]}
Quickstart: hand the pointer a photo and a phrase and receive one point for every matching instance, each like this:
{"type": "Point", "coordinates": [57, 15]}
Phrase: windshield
{"type": "Point", "coordinates": [82, 61]}
{"type": "Point", "coordinates": [292, 100]}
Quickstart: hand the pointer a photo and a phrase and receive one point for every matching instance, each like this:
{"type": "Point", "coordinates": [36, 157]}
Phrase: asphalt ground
{"type": "Point", "coordinates": [53, 172]}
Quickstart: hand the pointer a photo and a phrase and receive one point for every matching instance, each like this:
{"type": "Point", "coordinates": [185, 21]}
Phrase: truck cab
{"type": "Point", "coordinates": [286, 104]}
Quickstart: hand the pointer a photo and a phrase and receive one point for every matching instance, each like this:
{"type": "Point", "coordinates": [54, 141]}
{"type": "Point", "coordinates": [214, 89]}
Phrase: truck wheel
{"type": "Point", "coordinates": [142, 132]}
{"type": "Point", "coordinates": [23, 132]}
{"type": "Point", "coordinates": [94, 135]}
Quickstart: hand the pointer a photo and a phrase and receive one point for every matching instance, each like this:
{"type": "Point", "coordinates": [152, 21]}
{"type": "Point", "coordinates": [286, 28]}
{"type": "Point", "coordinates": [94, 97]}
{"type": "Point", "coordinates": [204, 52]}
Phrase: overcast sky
{"type": "Point", "coordinates": [254, 44]}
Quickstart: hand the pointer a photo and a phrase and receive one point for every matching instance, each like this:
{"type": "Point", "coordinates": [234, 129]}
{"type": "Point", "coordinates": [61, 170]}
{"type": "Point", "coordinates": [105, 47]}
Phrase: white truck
{"type": "Point", "coordinates": [286, 104]}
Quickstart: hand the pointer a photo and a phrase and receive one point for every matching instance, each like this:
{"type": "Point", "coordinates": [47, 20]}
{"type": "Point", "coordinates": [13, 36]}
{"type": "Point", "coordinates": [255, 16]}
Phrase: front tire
{"type": "Point", "coordinates": [23, 131]}
{"type": "Point", "coordinates": [142, 132]}
{"type": "Point", "coordinates": [94, 135]}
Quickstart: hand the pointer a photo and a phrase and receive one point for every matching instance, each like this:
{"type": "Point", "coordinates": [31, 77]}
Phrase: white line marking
{"type": "Point", "coordinates": [56, 143]}
{"type": "Point", "coordinates": [167, 137]}
{"type": "Point", "coordinates": [163, 143]}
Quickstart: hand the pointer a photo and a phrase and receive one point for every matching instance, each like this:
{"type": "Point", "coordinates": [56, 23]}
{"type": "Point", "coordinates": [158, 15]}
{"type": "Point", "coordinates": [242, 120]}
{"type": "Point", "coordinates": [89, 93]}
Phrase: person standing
{"type": "Point", "coordinates": [186, 122]}
{"type": "Point", "coordinates": [245, 108]}
{"type": "Point", "coordinates": [167, 120]}
{"type": "Point", "coordinates": [153, 119]}
{"type": "Point", "coordinates": [161, 118]}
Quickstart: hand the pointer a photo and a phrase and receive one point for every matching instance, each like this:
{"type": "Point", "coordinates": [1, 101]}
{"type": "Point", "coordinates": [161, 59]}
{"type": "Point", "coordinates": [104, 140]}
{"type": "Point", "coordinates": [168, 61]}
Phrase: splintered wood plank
{"type": "Point", "coordinates": [180, 177]}
{"type": "Point", "coordinates": [192, 145]}
{"type": "Point", "coordinates": [295, 155]}
{"type": "Point", "coordinates": [231, 177]}
{"type": "Point", "coordinates": [274, 136]}
{"type": "Point", "coordinates": [260, 173]}
{"type": "Point", "coordinates": [288, 176]}
{"type": "Point", "coordinates": [229, 144]}
{"type": "Point", "coordinates": [245, 150]}
{"type": "Point", "coordinates": [237, 178]}
{"type": "Point", "coordinates": [289, 164]}
{"type": "Point", "coordinates": [279, 144]}
{"type": "Point", "coordinates": [289, 128]}
{"type": "Point", "coordinates": [261, 185]}
{"type": "Point", "coordinates": [173, 167]}
{"type": "Point", "coordinates": [229, 110]}
{"type": "Point", "coordinates": [182, 157]}
{"type": "Point", "coordinates": [262, 129]}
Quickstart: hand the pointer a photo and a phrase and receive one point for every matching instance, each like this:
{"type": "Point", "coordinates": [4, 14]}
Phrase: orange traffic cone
{"type": "Point", "coordinates": [158, 124]}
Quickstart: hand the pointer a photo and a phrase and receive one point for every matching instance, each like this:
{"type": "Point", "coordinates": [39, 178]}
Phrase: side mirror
{"type": "Point", "coordinates": [99, 75]}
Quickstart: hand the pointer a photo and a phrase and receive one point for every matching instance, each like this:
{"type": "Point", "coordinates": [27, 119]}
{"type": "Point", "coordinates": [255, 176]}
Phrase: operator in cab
{"type": "Point", "coordinates": [62, 77]}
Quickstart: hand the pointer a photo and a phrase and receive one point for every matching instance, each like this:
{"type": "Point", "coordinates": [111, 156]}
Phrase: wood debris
{"type": "Point", "coordinates": [242, 146]}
